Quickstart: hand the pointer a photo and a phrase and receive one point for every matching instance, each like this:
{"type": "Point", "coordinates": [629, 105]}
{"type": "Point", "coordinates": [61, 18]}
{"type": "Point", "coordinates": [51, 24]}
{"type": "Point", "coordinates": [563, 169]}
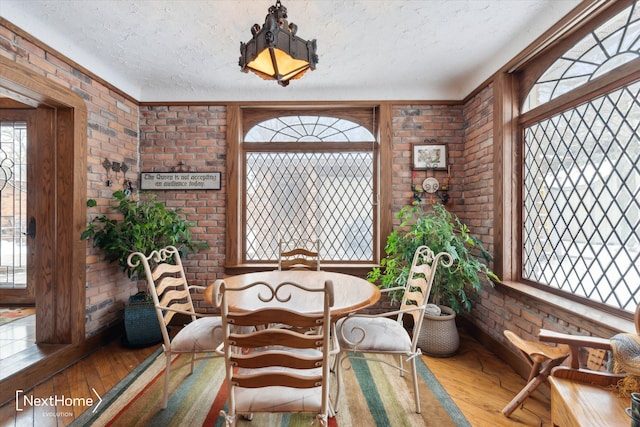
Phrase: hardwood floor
{"type": "Point", "coordinates": [478, 382]}
{"type": "Point", "coordinates": [481, 385]}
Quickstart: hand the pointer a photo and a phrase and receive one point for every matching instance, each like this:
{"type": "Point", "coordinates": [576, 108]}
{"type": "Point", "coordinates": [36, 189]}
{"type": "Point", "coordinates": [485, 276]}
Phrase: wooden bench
{"type": "Point", "coordinates": [575, 404]}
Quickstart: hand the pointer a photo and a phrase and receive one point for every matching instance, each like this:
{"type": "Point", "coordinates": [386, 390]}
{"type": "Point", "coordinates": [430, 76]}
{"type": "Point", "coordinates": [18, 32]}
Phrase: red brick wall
{"type": "Point", "coordinates": [112, 133]}
{"type": "Point", "coordinates": [193, 136]}
{"type": "Point", "coordinates": [478, 197]}
{"type": "Point", "coordinates": [412, 124]}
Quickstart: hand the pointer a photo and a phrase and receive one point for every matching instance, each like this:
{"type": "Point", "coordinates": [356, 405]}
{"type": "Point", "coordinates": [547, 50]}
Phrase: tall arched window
{"type": "Point", "coordinates": [581, 168]}
{"type": "Point", "coordinates": [310, 176]}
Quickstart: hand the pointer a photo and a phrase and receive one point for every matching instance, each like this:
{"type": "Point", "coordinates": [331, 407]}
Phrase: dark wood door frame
{"type": "Point", "coordinates": [61, 132]}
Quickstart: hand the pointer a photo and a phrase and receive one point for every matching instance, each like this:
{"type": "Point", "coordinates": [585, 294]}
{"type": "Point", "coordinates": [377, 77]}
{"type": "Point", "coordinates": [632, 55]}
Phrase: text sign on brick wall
{"type": "Point", "coordinates": [180, 180]}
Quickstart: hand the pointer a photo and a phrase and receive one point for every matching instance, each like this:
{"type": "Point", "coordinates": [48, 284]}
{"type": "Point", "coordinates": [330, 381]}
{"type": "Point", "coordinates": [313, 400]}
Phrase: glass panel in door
{"type": "Point", "coordinates": [13, 205]}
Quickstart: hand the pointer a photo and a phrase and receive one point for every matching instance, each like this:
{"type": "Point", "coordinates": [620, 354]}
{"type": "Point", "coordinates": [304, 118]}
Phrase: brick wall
{"type": "Point", "coordinates": [478, 196]}
{"type": "Point", "coordinates": [412, 124]}
{"type": "Point", "coordinates": [192, 138]}
{"type": "Point", "coordinates": [112, 133]}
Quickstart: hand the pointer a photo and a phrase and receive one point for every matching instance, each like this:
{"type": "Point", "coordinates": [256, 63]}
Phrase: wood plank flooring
{"type": "Point", "coordinates": [479, 383]}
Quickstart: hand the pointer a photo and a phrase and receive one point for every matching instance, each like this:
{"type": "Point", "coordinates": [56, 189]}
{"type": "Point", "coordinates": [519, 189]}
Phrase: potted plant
{"type": "Point", "coordinates": [441, 231]}
{"type": "Point", "coordinates": [142, 225]}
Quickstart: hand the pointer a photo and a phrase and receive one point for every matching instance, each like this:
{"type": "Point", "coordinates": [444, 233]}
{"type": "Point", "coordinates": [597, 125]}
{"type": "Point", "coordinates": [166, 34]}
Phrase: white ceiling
{"type": "Point", "coordinates": [188, 50]}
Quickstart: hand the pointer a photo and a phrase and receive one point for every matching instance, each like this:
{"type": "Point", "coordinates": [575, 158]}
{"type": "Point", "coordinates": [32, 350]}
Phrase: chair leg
{"type": "Point", "coordinates": [338, 368]}
{"type": "Point", "coordinates": [401, 365]}
{"type": "Point", "coordinates": [523, 395]}
{"type": "Point", "coordinates": [532, 385]}
{"type": "Point", "coordinates": [416, 394]}
{"type": "Point", "coordinates": [167, 374]}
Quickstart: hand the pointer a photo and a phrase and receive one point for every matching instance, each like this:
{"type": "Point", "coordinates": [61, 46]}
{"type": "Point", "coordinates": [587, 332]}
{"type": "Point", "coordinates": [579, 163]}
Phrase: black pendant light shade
{"type": "Point", "coordinates": [275, 52]}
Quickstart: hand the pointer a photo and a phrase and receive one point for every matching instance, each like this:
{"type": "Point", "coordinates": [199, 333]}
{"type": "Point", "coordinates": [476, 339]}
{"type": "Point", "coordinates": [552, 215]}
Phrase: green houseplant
{"type": "Point", "coordinates": [143, 225]}
{"type": "Point", "coordinates": [441, 231]}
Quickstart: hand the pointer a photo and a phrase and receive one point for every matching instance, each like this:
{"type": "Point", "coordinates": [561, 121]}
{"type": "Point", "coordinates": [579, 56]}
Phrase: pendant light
{"type": "Point", "coordinates": [275, 52]}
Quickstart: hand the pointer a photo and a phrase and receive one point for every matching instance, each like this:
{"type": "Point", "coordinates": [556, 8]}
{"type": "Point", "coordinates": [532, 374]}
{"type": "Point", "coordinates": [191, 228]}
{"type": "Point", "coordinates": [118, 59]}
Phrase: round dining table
{"type": "Point", "coordinates": [351, 293]}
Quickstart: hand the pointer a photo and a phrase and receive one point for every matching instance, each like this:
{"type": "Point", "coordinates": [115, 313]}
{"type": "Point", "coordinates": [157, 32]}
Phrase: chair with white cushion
{"type": "Point", "coordinates": [171, 295]}
{"type": "Point", "coordinates": [277, 369]}
{"type": "Point", "coordinates": [364, 336]}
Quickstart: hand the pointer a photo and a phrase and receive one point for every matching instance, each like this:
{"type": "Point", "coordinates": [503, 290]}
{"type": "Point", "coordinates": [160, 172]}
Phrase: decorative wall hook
{"type": "Point", "coordinates": [430, 186]}
{"type": "Point", "coordinates": [117, 167]}
{"type": "Point", "coordinates": [443, 191]}
{"type": "Point", "coordinates": [180, 167]}
{"type": "Point", "coordinates": [107, 165]}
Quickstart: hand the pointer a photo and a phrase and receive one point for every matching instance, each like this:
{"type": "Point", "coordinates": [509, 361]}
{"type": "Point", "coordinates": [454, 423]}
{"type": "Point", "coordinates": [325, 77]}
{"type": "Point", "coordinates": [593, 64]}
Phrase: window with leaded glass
{"type": "Point", "coordinates": [309, 177]}
{"type": "Point", "coordinates": [581, 174]}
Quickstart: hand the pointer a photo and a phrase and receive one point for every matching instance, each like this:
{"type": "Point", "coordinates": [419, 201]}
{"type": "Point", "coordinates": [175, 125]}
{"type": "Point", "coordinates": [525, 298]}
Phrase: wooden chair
{"type": "Point", "coordinates": [299, 254]}
{"type": "Point", "coordinates": [280, 370]}
{"type": "Point", "coordinates": [171, 294]}
{"type": "Point", "coordinates": [542, 358]}
{"type": "Point", "coordinates": [384, 333]}
{"type": "Point", "coordinates": [590, 368]}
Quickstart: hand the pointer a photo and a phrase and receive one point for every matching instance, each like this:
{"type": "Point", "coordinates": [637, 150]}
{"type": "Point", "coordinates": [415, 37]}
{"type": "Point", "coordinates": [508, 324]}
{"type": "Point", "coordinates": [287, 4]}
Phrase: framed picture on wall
{"type": "Point", "coordinates": [429, 156]}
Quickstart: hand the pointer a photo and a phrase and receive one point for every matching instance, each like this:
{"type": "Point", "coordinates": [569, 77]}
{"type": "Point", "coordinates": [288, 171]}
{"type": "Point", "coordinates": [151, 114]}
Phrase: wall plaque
{"type": "Point", "coordinates": [181, 180]}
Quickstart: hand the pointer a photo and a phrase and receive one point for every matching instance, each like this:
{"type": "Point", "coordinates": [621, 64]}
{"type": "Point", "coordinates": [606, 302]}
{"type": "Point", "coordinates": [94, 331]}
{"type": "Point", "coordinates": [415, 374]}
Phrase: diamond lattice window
{"type": "Point", "coordinates": [607, 47]}
{"type": "Point", "coordinates": [309, 177]}
{"type": "Point", "coordinates": [582, 201]}
{"type": "Point", "coordinates": [581, 173]}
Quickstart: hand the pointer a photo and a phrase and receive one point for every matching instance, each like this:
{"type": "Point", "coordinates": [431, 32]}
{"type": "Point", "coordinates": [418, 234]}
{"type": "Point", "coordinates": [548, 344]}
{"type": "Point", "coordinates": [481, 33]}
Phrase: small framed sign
{"type": "Point", "coordinates": [429, 156]}
{"type": "Point", "coordinates": [181, 180]}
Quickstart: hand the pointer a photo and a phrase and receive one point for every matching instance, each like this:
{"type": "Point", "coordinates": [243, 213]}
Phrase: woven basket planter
{"type": "Point", "coordinates": [141, 322]}
{"type": "Point", "coordinates": [439, 334]}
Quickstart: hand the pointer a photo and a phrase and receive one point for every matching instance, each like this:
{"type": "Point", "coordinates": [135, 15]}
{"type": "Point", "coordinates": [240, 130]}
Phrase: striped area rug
{"type": "Point", "coordinates": [372, 395]}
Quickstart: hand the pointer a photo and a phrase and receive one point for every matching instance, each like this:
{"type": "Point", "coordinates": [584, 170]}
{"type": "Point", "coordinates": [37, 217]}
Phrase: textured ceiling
{"type": "Point", "coordinates": [187, 50]}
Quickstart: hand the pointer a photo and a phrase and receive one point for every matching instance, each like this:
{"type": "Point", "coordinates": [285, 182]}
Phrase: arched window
{"type": "Point", "coordinates": [609, 46]}
{"type": "Point", "coordinates": [310, 176]}
{"type": "Point", "coordinates": [581, 169]}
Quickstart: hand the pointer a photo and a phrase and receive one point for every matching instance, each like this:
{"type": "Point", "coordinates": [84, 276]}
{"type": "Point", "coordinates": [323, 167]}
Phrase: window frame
{"type": "Point", "coordinates": [511, 86]}
{"type": "Point", "coordinates": [241, 117]}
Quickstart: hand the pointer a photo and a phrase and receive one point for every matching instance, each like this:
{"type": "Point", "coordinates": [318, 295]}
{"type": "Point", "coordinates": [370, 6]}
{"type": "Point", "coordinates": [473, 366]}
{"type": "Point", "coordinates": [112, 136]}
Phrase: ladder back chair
{"type": "Point", "coordinates": [384, 334]}
{"type": "Point", "coordinates": [171, 295]}
{"type": "Point", "coordinates": [277, 370]}
{"type": "Point", "coordinates": [299, 254]}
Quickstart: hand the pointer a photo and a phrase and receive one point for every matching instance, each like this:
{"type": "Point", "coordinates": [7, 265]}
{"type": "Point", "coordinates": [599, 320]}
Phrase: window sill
{"type": "Point", "coordinates": [595, 315]}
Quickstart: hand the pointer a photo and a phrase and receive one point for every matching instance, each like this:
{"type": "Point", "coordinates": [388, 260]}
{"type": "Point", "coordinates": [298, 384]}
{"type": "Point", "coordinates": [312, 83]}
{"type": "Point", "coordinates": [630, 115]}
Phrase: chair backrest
{"type": "Point", "coordinates": [419, 283]}
{"type": "Point", "coordinates": [299, 254]}
{"type": "Point", "coordinates": [272, 356]}
{"type": "Point", "coordinates": [166, 283]}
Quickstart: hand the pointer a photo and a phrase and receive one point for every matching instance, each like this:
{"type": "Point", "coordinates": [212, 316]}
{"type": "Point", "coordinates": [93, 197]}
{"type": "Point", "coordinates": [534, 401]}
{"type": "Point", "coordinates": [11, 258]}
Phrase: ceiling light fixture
{"type": "Point", "coordinates": [275, 52]}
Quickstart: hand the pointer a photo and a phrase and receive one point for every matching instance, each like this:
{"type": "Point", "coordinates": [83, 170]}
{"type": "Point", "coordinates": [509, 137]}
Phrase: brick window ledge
{"type": "Point", "coordinates": [582, 311]}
